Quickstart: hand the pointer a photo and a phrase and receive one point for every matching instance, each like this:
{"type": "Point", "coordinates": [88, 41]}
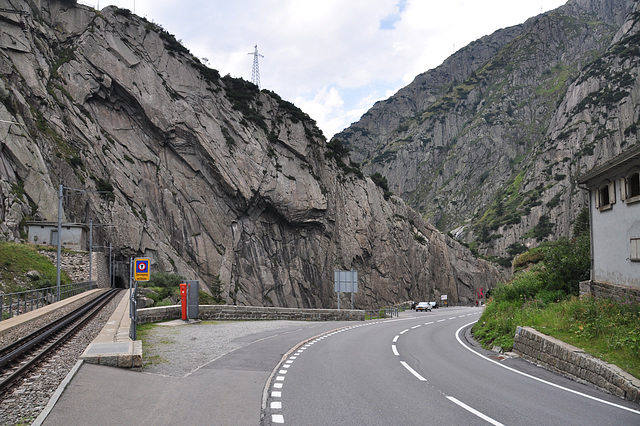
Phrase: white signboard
{"type": "Point", "coordinates": [443, 297]}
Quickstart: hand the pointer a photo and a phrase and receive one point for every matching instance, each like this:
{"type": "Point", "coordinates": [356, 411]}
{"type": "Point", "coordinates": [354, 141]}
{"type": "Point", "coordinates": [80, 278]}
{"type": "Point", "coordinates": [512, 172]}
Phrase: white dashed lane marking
{"type": "Point", "coordinates": [394, 348]}
{"type": "Point", "coordinates": [278, 383]}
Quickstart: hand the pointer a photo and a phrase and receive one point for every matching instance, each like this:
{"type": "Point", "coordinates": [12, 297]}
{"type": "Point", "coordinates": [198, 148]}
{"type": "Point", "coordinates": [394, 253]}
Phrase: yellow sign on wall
{"type": "Point", "coordinates": [141, 270]}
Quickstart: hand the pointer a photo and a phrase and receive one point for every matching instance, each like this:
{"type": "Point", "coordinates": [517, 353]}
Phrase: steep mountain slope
{"type": "Point", "coordinates": [208, 176]}
{"type": "Point", "coordinates": [487, 146]}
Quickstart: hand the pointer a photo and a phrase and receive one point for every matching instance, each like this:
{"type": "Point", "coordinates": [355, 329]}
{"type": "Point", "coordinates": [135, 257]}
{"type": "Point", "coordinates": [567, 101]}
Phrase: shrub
{"type": "Point", "coordinates": [525, 286]}
{"type": "Point", "coordinates": [164, 285]}
{"type": "Point", "coordinates": [567, 262]}
{"type": "Point", "coordinates": [382, 183]}
{"type": "Point", "coordinates": [532, 256]}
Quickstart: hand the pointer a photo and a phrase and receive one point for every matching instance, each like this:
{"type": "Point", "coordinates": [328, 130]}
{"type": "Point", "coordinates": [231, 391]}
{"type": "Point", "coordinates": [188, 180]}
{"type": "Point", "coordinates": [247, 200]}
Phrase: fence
{"type": "Point", "coordinates": [14, 304]}
{"type": "Point", "coordinates": [386, 312]}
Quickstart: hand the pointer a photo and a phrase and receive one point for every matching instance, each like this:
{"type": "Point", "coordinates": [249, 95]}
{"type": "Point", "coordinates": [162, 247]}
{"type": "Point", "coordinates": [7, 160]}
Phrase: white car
{"type": "Point", "coordinates": [423, 306]}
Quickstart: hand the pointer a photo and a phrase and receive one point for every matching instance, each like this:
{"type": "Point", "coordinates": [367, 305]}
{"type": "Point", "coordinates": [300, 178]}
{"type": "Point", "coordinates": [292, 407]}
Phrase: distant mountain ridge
{"type": "Point", "coordinates": [488, 145]}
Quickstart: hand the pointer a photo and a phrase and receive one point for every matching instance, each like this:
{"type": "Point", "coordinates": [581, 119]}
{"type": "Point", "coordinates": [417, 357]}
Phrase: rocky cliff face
{"type": "Point", "coordinates": [208, 176]}
{"type": "Point", "coordinates": [488, 145]}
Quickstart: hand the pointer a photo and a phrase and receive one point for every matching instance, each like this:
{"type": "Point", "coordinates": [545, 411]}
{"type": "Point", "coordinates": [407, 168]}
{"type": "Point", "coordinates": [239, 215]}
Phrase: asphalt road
{"type": "Point", "coordinates": [420, 368]}
{"type": "Point", "coordinates": [195, 384]}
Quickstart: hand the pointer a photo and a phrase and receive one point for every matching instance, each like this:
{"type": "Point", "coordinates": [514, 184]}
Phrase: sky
{"type": "Point", "coordinates": [332, 58]}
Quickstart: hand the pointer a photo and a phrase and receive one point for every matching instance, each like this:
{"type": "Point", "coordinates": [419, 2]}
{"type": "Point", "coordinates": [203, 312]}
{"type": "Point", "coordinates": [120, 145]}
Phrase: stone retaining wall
{"type": "Point", "coordinates": [609, 291]}
{"type": "Point", "coordinates": [574, 363]}
{"type": "Point", "coordinates": [227, 312]}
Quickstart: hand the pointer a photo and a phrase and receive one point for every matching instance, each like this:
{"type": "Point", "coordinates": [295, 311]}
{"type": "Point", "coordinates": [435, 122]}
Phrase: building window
{"type": "Point", "coordinates": [631, 189]}
{"type": "Point", "coordinates": [635, 250]}
{"type": "Point", "coordinates": [605, 196]}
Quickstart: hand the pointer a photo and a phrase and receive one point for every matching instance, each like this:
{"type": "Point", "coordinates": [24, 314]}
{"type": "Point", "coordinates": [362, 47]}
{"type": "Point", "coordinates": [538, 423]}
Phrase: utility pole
{"type": "Point", "coordinates": [255, 73]}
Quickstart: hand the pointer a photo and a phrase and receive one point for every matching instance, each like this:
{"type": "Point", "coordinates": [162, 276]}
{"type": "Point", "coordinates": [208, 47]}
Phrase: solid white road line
{"type": "Point", "coordinates": [539, 379]}
{"type": "Point", "coordinates": [474, 411]}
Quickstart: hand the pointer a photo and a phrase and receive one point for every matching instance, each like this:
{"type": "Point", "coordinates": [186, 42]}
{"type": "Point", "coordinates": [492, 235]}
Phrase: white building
{"type": "Point", "coordinates": [74, 235]}
{"type": "Point", "coordinates": [614, 210]}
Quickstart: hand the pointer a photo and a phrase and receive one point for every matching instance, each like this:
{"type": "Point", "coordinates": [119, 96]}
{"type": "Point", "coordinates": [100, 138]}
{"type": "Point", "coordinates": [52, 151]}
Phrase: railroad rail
{"type": "Point", "coordinates": [18, 358]}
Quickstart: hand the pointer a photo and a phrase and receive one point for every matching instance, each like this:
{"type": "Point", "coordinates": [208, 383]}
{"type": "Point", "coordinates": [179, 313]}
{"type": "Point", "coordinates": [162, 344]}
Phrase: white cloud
{"type": "Point", "coordinates": [332, 58]}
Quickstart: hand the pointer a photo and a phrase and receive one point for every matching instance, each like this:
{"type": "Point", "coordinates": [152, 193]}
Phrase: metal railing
{"type": "Point", "coordinates": [386, 312]}
{"type": "Point", "coordinates": [14, 304]}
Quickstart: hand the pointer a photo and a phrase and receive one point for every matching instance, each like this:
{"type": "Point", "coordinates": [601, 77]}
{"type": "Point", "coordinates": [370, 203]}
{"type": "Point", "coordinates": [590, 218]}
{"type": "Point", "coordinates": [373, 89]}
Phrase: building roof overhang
{"type": "Point", "coordinates": [615, 166]}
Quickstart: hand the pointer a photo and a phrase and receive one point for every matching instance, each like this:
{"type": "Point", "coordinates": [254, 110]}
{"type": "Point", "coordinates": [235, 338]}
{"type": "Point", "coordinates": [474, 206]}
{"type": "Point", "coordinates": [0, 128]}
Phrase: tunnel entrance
{"type": "Point", "coordinates": [121, 282]}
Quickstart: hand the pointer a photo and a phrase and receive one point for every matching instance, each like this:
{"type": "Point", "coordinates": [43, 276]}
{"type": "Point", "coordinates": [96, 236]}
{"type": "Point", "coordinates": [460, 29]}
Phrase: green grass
{"type": "Point", "coordinates": [18, 259]}
{"type": "Point", "coordinates": [603, 328]}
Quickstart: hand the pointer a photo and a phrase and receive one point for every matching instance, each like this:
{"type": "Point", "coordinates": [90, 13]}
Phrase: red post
{"type": "Point", "coordinates": [183, 299]}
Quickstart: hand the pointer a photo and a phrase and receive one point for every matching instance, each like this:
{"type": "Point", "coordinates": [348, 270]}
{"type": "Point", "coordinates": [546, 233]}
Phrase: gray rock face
{"type": "Point", "coordinates": [488, 145]}
{"type": "Point", "coordinates": [207, 176]}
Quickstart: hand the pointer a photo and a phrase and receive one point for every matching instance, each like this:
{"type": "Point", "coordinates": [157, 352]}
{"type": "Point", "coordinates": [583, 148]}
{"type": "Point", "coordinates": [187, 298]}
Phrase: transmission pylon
{"type": "Point", "coordinates": [255, 74]}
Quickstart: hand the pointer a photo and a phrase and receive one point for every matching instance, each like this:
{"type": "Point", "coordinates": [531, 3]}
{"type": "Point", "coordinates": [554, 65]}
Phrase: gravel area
{"type": "Point", "coordinates": [21, 404]}
{"type": "Point", "coordinates": [179, 350]}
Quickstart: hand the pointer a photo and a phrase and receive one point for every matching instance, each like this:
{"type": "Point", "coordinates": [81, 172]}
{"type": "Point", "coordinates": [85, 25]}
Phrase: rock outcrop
{"type": "Point", "coordinates": [206, 175]}
{"type": "Point", "coordinates": [489, 144]}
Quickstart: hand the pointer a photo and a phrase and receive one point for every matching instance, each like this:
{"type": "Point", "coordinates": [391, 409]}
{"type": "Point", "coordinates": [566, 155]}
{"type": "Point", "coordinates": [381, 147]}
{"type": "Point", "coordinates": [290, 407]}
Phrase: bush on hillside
{"type": "Point", "coordinates": [567, 262]}
{"type": "Point", "coordinates": [164, 285]}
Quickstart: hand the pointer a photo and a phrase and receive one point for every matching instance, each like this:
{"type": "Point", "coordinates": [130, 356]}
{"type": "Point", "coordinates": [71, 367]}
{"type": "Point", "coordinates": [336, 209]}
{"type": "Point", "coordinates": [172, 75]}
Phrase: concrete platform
{"type": "Point", "coordinates": [113, 346]}
{"type": "Point", "coordinates": [44, 313]}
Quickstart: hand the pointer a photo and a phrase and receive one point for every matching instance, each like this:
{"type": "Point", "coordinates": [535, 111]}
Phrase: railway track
{"type": "Point", "coordinates": [18, 358]}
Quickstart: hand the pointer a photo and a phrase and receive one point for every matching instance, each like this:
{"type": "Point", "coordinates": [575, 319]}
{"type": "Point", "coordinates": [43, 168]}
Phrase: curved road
{"type": "Point", "coordinates": [421, 368]}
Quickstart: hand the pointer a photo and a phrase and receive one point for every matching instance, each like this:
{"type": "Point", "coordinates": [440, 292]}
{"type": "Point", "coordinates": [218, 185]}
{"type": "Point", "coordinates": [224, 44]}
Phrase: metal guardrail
{"type": "Point", "coordinates": [14, 304]}
{"type": "Point", "coordinates": [386, 312]}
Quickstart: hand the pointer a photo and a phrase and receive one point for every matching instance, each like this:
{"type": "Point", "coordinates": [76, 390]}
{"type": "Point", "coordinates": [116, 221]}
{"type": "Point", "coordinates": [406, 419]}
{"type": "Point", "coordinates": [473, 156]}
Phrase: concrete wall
{"type": "Point", "coordinates": [100, 269]}
{"type": "Point", "coordinates": [227, 312]}
{"type": "Point", "coordinates": [575, 364]}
